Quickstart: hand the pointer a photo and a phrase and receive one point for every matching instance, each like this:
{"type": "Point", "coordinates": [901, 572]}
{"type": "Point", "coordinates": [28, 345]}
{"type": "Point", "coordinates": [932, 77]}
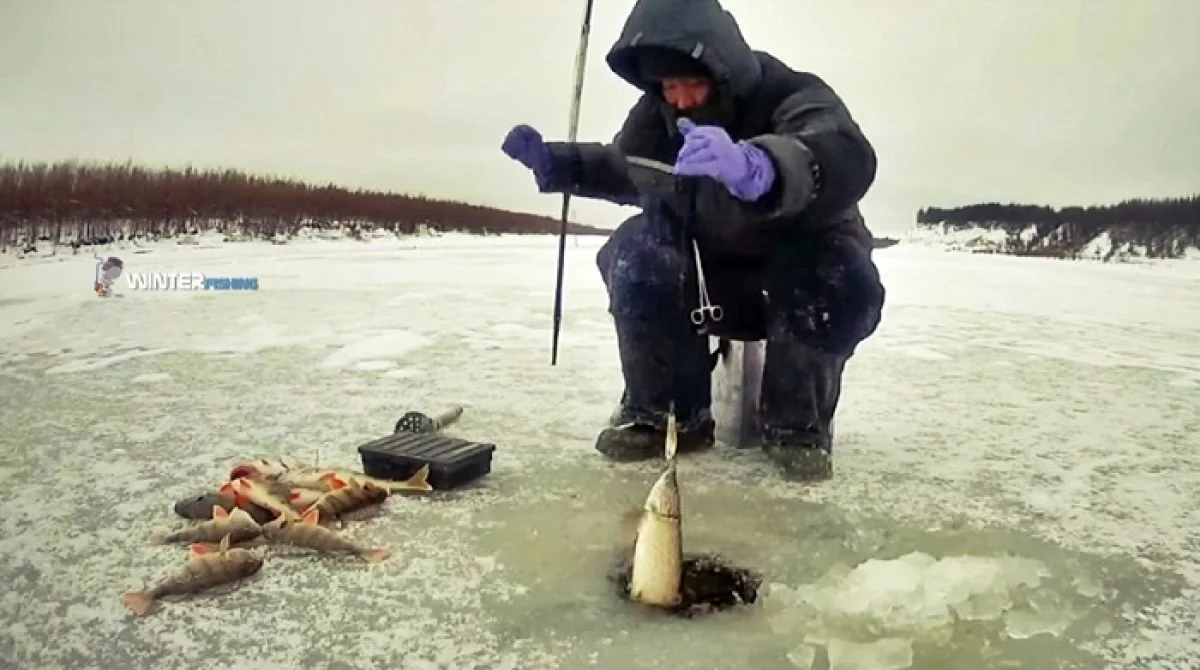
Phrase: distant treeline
{"type": "Point", "coordinates": [72, 201]}
{"type": "Point", "coordinates": [1164, 227]}
{"type": "Point", "coordinates": [1174, 212]}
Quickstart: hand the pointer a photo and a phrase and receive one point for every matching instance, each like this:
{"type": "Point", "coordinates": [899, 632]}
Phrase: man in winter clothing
{"type": "Point", "coordinates": [753, 209]}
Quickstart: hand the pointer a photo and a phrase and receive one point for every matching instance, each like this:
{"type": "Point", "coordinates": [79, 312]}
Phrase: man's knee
{"type": "Point", "coordinates": [641, 267]}
{"type": "Point", "coordinates": [833, 304]}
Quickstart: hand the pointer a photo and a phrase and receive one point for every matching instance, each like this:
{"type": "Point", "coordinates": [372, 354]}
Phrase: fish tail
{"type": "Point", "coordinates": [138, 601]}
{"type": "Point", "coordinates": [376, 555]}
{"type": "Point", "coordinates": [418, 482]}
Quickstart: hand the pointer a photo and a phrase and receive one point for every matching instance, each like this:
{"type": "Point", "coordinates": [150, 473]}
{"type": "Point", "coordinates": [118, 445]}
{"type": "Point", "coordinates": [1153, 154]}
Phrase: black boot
{"type": "Point", "coordinates": [801, 388]}
{"type": "Point", "coordinates": [634, 437]}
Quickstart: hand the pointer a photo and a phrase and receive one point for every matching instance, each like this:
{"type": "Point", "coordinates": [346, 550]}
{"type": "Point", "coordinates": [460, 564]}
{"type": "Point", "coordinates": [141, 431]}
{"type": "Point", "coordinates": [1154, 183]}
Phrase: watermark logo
{"type": "Point", "coordinates": [187, 281]}
{"type": "Point", "coordinates": [108, 270]}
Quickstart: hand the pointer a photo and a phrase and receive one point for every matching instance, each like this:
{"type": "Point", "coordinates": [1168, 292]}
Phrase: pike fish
{"type": "Point", "coordinates": [318, 479]}
{"type": "Point", "coordinates": [204, 570]}
{"type": "Point", "coordinates": [309, 533]}
{"type": "Point", "coordinates": [658, 545]}
{"type": "Point", "coordinates": [347, 499]}
{"type": "Point", "coordinates": [237, 525]}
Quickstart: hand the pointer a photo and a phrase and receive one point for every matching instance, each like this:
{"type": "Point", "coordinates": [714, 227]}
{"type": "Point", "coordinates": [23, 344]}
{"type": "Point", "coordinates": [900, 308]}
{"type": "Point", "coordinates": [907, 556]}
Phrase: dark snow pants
{"type": "Point", "coordinates": [813, 301]}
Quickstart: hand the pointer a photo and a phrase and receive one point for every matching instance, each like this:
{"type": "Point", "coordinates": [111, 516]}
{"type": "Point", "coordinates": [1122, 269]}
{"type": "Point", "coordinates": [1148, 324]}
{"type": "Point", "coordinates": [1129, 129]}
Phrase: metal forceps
{"type": "Point", "coordinates": [706, 310]}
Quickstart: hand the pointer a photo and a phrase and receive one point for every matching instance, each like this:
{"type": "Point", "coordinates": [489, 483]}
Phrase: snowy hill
{"type": "Point", "coordinates": [1143, 229]}
{"type": "Point", "coordinates": [1115, 244]}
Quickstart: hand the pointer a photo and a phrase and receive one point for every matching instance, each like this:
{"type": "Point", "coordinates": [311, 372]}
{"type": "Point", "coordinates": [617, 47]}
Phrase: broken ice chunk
{"type": "Point", "coordinates": [803, 657]}
{"type": "Point", "coordinates": [884, 654]}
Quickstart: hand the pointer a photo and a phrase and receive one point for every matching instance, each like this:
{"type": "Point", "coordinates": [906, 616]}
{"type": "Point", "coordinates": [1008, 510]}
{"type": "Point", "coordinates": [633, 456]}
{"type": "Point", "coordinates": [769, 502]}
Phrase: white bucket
{"type": "Point", "coordinates": [736, 384]}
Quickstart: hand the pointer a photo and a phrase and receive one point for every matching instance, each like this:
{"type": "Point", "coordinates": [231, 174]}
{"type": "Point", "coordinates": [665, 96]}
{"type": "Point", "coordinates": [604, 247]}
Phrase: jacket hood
{"type": "Point", "coordinates": [701, 29]}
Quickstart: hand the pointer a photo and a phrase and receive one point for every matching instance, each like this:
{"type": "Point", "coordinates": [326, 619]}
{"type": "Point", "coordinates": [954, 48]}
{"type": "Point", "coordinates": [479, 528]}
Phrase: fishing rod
{"type": "Point", "coordinates": [572, 134]}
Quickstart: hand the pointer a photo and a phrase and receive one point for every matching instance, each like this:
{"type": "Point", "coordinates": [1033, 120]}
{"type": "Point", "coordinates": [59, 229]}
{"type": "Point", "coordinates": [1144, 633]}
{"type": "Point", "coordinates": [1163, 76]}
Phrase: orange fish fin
{"type": "Point", "coordinates": [138, 601]}
{"type": "Point", "coordinates": [377, 555]}
{"type": "Point", "coordinates": [312, 516]}
{"type": "Point", "coordinates": [200, 549]}
{"type": "Point", "coordinates": [219, 512]}
{"type": "Point", "coordinates": [333, 481]}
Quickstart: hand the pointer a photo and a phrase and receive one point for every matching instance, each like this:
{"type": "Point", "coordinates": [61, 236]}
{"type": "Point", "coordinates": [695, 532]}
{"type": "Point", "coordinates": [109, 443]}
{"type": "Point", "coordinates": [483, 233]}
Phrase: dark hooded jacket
{"type": "Point", "coordinates": [824, 164]}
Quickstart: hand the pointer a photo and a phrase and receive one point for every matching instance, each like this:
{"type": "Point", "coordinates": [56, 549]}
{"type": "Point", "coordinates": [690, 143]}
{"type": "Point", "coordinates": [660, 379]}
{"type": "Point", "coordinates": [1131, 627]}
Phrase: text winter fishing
{"type": "Point", "coordinates": [187, 281]}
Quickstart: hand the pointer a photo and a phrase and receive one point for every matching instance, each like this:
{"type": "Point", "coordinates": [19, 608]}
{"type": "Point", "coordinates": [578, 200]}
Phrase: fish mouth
{"type": "Point", "coordinates": [240, 471]}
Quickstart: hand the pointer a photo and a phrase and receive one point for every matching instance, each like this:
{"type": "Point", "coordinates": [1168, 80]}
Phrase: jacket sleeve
{"type": "Point", "coordinates": [598, 170]}
{"type": "Point", "coordinates": [823, 162]}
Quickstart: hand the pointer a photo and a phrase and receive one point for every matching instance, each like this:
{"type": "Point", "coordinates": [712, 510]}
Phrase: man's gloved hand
{"type": "Point", "coordinates": [524, 145]}
{"type": "Point", "coordinates": [708, 151]}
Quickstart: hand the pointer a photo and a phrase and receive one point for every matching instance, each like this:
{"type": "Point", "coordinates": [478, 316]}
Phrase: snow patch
{"type": "Point", "coordinates": [373, 366]}
{"type": "Point", "coordinates": [86, 364]}
{"type": "Point", "coordinates": [372, 349]}
{"type": "Point", "coordinates": [1029, 234]}
{"type": "Point", "coordinates": [399, 373]}
{"type": "Point", "coordinates": [923, 353]}
{"type": "Point", "coordinates": [151, 378]}
{"type": "Point", "coordinates": [518, 330]}
{"type": "Point", "coordinates": [1099, 247]}
{"type": "Point", "coordinates": [954, 238]}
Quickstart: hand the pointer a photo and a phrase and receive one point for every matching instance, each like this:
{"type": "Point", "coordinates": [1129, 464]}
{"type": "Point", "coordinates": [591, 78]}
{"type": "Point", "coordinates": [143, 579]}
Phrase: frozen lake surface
{"type": "Point", "coordinates": [1017, 473]}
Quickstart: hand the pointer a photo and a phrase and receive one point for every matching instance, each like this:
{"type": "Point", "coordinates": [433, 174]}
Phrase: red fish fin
{"type": "Point", "coordinates": [200, 549]}
{"type": "Point", "coordinates": [312, 516]}
{"type": "Point", "coordinates": [219, 512]}
{"type": "Point", "coordinates": [240, 499]}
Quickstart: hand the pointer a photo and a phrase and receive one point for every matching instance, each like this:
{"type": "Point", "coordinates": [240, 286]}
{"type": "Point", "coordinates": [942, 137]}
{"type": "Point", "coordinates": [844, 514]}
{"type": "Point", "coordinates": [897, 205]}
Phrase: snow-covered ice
{"type": "Point", "coordinates": [1017, 467]}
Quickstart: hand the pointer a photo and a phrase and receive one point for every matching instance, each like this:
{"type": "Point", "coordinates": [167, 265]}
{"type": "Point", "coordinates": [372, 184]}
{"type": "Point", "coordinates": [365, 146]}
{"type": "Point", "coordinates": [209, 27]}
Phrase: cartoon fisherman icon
{"type": "Point", "coordinates": [107, 272]}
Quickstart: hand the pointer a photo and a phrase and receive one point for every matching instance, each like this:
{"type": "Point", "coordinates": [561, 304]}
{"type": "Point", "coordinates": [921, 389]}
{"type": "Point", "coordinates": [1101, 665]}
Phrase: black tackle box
{"type": "Point", "coordinates": [452, 462]}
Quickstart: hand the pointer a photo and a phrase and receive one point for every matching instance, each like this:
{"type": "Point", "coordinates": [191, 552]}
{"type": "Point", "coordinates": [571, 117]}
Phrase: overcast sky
{"type": "Point", "coordinates": [1046, 101]}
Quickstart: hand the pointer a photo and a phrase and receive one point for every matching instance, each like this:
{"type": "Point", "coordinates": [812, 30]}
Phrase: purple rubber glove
{"type": "Point", "coordinates": [524, 145]}
{"type": "Point", "coordinates": [708, 151]}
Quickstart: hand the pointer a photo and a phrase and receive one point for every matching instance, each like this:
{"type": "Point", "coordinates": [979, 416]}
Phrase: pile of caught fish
{"type": "Point", "coordinates": [273, 504]}
{"type": "Point", "coordinates": [658, 574]}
